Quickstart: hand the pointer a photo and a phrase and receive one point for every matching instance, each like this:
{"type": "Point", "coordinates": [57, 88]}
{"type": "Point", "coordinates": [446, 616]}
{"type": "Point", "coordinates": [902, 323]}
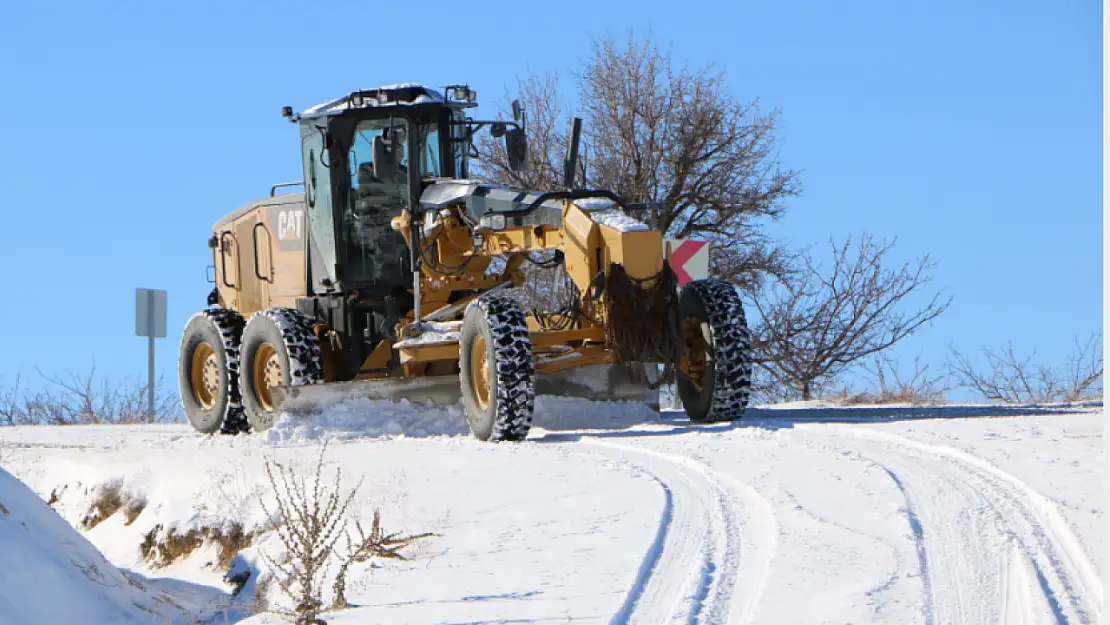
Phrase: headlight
{"type": "Point", "coordinates": [493, 222]}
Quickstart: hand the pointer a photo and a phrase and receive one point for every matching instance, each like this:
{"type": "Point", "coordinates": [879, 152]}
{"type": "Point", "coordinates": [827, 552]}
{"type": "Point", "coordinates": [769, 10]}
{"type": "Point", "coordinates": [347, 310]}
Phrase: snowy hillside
{"type": "Point", "coordinates": [52, 574]}
{"type": "Point", "coordinates": [609, 514]}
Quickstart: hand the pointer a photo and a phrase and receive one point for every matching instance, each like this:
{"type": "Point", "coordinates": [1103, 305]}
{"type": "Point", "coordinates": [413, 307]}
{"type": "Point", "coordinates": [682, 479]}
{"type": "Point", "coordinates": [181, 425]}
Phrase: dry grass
{"type": "Point", "coordinates": [918, 387]}
{"type": "Point", "coordinates": [132, 510]}
{"type": "Point", "coordinates": [162, 548]}
{"type": "Point", "coordinates": [108, 500]}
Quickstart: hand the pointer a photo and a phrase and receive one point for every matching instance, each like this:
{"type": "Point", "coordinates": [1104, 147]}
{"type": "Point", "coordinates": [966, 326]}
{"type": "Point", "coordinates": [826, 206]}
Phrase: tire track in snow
{"type": "Point", "coordinates": [651, 557]}
{"type": "Point", "coordinates": [735, 533]}
{"type": "Point", "coordinates": [919, 543]}
{"type": "Point", "coordinates": [963, 501]}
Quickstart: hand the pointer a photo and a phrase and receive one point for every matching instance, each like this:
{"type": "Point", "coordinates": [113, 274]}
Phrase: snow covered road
{"type": "Point", "coordinates": [612, 515]}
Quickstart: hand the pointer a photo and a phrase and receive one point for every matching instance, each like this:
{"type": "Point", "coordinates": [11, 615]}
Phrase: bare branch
{"type": "Point", "coordinates": [815, 324]}
{"type": "Point", "coordinates": [83, 399]}
{"type": "Point", "coordinates": [1012, 379]}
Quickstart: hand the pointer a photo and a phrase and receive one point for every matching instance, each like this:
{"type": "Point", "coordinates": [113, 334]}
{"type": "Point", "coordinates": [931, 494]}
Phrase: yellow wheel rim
{"type": "Point", "coordinates": [205, 376]}
{"type": "Point", "coordinates": [479, 371]}
{"type": "Point", "coordinates": [694, 359]}
{"type": "Point", "coordinates": [266, 374]}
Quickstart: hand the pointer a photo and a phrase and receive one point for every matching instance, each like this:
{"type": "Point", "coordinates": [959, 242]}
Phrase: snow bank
{"type": "Point", "coordinates": [655, 520]}
{"type": "Point", "coordinates": [52, 574]}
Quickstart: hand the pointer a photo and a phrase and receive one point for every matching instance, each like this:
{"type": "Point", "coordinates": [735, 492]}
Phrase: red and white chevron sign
{"type": "Point", "coordinates": [688, 258]}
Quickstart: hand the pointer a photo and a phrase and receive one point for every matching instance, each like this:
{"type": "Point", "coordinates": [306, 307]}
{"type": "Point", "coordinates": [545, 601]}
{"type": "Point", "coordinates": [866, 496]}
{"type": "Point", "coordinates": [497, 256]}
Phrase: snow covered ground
{"type": "Point", "coordinates": [612, 514]}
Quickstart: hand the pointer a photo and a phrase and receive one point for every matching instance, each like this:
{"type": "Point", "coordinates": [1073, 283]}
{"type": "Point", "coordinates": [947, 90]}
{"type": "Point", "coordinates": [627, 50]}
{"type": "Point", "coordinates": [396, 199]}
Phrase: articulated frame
{"type": "Point", "coordinates": [589, 251]}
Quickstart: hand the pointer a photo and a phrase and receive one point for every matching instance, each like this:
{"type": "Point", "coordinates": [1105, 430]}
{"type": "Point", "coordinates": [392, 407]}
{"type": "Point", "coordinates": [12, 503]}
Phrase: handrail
{"type": "Point", "coordinates": [274, 188]}
{"type": "Point", "coordinates": [223, 258]}
{"type": "Point", "coordinates": [566, 195]}
{"type": "Point", "coordinates": [269, 248]}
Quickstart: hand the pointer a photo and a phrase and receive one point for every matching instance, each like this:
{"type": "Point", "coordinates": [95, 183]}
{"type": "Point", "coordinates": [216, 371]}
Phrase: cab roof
{"type": "Point", "coordinates": [405, 94]}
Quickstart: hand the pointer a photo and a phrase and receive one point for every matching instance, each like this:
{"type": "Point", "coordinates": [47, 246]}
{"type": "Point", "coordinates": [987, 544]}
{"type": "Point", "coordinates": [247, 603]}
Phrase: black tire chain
{"type": "Point", "coordinates": [516, 368]}
{"type": "Point", "coordinates": [300, 343]}
{"type": "Point", "coordinates": [732, 341]}
{"type": "Point", "coordinates": [229, 324]}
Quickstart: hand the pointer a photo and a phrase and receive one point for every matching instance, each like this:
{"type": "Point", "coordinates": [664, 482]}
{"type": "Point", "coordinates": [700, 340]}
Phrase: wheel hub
{"type": "Point", "coordinates": [479, 371]}
{"type": "Point", "coordinates": [266, 374]}
{"type": "Point", "coordinates": [205, 376]}
{"type": "Point", "coordinates": [695, 357]}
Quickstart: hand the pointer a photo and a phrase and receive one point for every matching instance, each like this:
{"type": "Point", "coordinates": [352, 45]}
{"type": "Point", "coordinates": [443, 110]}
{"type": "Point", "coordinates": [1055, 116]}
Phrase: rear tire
{"type": "Point", "coordinates": [208, 372]}
{"type": "Point", "coordinates": [496, 370]}
{"type": "Point", "coordinates": [279, 349]}
{"type": "Point", "coordinates": [714, 372]}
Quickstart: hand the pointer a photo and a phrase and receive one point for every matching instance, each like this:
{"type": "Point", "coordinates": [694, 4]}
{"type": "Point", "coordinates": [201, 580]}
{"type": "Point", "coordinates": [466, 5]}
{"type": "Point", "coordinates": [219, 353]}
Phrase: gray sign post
{"type": "Point", "coordinates": [150, 321]}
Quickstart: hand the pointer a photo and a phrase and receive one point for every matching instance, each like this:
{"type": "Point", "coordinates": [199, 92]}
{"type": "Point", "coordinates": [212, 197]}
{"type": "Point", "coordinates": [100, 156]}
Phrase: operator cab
{"type": "Point", "coordinates": [367, 157]}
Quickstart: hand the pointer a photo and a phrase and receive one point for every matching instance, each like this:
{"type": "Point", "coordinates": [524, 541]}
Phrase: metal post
{"type": "Point", "coordinates": [150, 363]}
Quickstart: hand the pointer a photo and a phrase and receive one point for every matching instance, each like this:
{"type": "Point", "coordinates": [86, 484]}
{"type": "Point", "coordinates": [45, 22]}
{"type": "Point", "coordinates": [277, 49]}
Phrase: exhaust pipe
{"type": "Point", "coordinates": [570, 164]}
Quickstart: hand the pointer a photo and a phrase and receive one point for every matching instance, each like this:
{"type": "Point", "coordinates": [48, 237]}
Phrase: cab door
{"type": "Point", "coordinates": [320, 220]}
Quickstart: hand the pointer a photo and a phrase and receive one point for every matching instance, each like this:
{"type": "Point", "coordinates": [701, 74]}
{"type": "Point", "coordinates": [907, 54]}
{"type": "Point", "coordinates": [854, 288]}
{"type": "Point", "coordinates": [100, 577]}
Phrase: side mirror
{"type": "Point", "coordinates": [518, 110]}
{"type": "Point", "coordinates": [516, 148]}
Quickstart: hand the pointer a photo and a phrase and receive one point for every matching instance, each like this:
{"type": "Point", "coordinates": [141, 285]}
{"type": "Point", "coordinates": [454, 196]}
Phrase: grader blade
{"type": "Point", "coordinates": [594, 383]}
{"type": "Point", "coordinates": [303, 400]}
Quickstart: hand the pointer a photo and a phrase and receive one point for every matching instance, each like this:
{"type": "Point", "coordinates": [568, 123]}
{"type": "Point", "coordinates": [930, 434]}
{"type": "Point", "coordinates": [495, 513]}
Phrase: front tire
{"type": "Point", "coordinates": [714, 372]}
{"type": "Point", "coordinates": [496, 370]}
{"type": "Point", "coordinates": [279, 349]}
{"type": "Point", "coordinates": [208, 372]}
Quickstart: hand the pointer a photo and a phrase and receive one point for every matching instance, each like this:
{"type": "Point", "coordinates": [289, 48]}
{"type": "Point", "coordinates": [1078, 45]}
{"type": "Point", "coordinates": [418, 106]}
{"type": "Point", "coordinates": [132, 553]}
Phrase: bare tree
{"type": "Point", "coordinates": [1012, 379]}
{"type": "Point", "coordinates": [815, 326]}
{"type": "Point", "coordinates": [698, 161]}
{"type": "Point", "coordinates": [84, 399]}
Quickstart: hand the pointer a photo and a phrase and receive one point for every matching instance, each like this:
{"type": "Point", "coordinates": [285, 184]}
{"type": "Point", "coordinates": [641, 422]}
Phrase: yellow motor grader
{"type": "Point", "coordinates": [393, 275]}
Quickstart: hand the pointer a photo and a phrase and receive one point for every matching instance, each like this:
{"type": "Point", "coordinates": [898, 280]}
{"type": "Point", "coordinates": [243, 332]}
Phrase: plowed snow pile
{"type": "Point", "coordinates": [49, 573]}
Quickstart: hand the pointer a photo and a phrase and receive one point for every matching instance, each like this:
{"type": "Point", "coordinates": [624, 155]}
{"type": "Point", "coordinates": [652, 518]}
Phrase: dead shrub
{"type": "Point", "coordinates": [309, 523]}
{"type": "Point", "coordinates": [86, 399]}
{"type": "Point", "coordinates": [1012, 379]}
{"type": "Point", "coordinates": [919, 387]}
{"type": "Point", "coordinates": [376, 544]}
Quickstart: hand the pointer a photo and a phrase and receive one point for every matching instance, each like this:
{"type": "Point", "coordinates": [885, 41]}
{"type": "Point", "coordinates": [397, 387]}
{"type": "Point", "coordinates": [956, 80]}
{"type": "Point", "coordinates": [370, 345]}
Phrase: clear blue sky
{"type": "Point", "coordinates": [970, 130]}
